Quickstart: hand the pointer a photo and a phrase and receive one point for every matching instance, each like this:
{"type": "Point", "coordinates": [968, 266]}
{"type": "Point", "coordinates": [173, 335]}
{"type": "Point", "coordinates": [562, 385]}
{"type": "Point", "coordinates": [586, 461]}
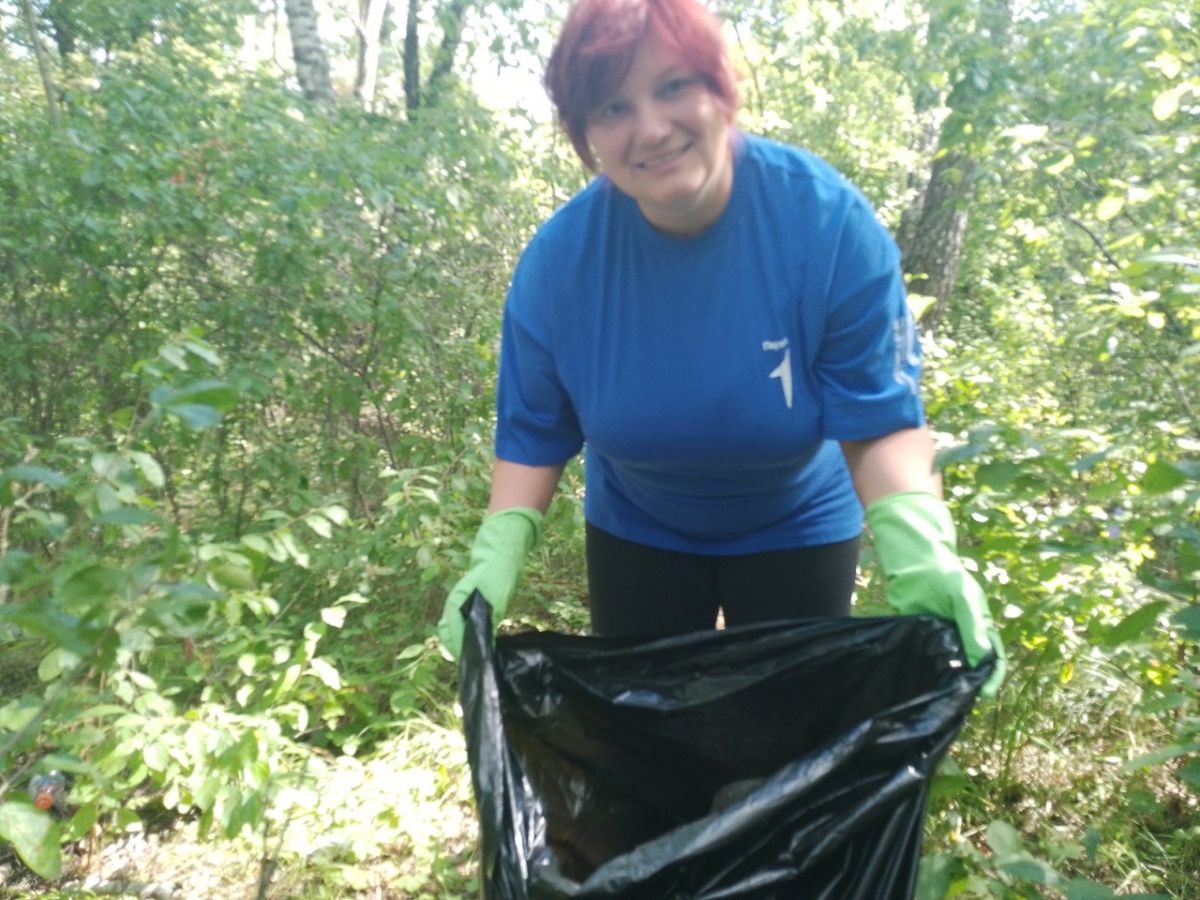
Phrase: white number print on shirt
{"type": "Point", "coordinates": [783, 371]}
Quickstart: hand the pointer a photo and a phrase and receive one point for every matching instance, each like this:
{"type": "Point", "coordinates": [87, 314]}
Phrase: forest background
{"type": "Point", "coordinates": [252, 261]}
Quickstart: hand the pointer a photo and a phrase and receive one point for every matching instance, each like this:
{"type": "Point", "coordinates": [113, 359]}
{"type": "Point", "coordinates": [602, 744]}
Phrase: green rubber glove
{"type": "Point", "coordinates": [497, 558]}
{"type": "Point", "coordinates": [915, 540]}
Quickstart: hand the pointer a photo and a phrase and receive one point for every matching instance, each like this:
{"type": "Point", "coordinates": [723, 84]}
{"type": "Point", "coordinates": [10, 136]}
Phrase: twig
{"type": "Point", "coordinates": [1109, 258]}
{"type": "Point", "coordinates": [6, 518]}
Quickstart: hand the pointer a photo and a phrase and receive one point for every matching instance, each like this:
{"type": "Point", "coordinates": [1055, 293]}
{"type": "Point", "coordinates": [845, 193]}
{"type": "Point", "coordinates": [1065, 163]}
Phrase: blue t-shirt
{"type": "Point", "coordinates": [710, 377]}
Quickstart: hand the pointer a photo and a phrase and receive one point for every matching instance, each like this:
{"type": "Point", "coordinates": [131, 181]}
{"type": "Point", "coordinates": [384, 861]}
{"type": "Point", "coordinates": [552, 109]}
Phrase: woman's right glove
{"type": "Point", "coordinates": [497, 557]}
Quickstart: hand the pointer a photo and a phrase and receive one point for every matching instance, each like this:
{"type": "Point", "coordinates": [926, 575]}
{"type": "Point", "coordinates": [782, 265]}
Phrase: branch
{"type": "Point", "coordinates": [43, 61]}
{"type": "Point", "coordinates": [6, 519]}
{"type": "Point", "coordinates": [1109, 258]}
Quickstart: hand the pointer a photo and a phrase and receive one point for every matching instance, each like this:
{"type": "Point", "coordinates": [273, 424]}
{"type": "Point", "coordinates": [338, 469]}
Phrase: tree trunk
{"type": "Point", "coordinates": [451, 20]}
{"type": "Point", "coordinates": [933, 230]}
{"type": "Point", "coordinates": [43, 61]}
{"type": "Point", "coordinates": [412, 58]}
{"type": "Point", "coordinates": [312, 66]}
{"type": "Point", "coordinates": [932, 258]}
{"type": "Point", "coordinates": [918, 184]}
{"type": "Point", "coordinates": [369, 26]}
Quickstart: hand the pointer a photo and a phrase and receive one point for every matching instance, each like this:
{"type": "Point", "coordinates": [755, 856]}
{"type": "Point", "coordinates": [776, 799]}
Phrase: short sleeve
{"type": "Point", "coordinates": [536, 423]}
{"type": "Point", "coordinates": [869, 362]}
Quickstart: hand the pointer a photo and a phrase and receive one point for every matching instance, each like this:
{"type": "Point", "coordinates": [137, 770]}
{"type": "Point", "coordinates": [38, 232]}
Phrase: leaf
{"type": "Point", "coordinates": [287, 541]}
{"type": "Point", "coordinates": [36, 474]}
{"type": "Point", "coordinates": [1109, 208]}
{"type": "Point", "coordinates": [126, 515]}
{"type": "Point", "coordinates": [196, 417]}
{"type": "Point", "coordinates": [1005, 840]}
{"type": "Point", "coordinates": [1061, 166]}
{"type": "Point", "coordinates": [1172, 259]}
{"type": "Point", "coordinates": [39, 617]}
{"type": "Point", "coordinates": [207, 793]}
{"type": "Point", "coordinates": [934, 875]}
{"type": "Point", "coordinates": [336, 514]}
{"type": "Point", "coordinates": [1166, 104]}
{"type": "Point", "coordinates": [1159, 756]}
{"type": "Point", "coordinates": [1189, 774]}
{"type": "Point", "coordinates": [257, 543]}
{"type": "Point", "coordinates": [17, 714]}
{"type": "Point", "coordinates": [149, 467]}
{"type": "Point", "coordinates": [1088, 462]}
{"type": "Point", "coordinates": [1133, 625]}
{"type": "Point", "coordinates": [1188, 619]}
{"type": "Point", "coordinates": [320, 525]}
{"type": "Point", "coordinates": [997, 475]}
{"type": "Point", "coordinates": [206, 392]}
{"type": "Point", "coordinates": [203, 351]}
{"type": "Point", "coordinates": [327, 673]}
{"type": "Point", "coordinates": [1026, 133]}
{"type": "Point", "coordinates": [1031, 870]}
{"type": "Point", "coordinates": [91, 584]}
{"type": "Point", "coordinates": [82, 822]}
{"type": "Point", "coordinates": [918, 304]}
{"type": "Point", "coordinates": [174, 355]}
{"type": "Point", "coordinates": [1077, 889]}
{"type": "Point", "coordinates": [1161, 477]}
{"type": "Point", "coordinates": [57, 662]}
{"type": "Point", "coordinates": [34, 835]}
{"type": "Point", "coordinates": [334, 616]}
{"type": "Point", "coordinates": [231, 576]}
{"type": "Point", "coordinates": [156, 757]}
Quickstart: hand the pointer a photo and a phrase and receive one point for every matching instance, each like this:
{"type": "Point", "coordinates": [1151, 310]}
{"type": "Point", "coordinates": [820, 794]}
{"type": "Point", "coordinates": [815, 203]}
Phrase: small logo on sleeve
{"type": "Point", "coordinates": [783, 371]}
{"type": "Point", "coordinates": [904, 340]}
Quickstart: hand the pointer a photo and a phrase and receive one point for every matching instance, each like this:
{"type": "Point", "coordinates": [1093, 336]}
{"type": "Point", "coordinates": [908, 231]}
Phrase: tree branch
{"type": "Point", "coordinates": [43, 61]}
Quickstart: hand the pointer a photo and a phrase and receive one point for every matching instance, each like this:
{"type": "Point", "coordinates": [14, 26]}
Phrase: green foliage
{"type": "Point", "coordinates": [247, 350]}
{"type": "Point", "coordinates": [245, 414]}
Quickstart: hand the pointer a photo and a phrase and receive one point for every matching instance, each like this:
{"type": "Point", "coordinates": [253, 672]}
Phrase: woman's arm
{"type": "Point", "coordinates": [896, 462]}
{"type": "Point", "coordinates": [914, 538]}
{"type": "Point", "coordinates": [517, 485]}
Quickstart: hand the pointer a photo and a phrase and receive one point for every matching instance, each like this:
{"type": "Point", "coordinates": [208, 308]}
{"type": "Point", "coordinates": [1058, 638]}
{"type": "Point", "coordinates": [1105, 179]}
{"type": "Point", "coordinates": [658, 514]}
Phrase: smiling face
{"type": "Point", "coordinates": [663, 138]}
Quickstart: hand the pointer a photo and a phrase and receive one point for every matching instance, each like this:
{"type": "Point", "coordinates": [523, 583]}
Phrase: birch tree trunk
{"type": "Point", "coordinates": [369, 26]}
{"type": "Point", "coordinates": [312, 66]}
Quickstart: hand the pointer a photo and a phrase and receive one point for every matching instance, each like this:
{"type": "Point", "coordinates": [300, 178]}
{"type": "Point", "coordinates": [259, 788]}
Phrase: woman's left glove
{"type": "Point", "coordinates": [915, 539]}
{"type": "Point", "coordinates": [497, 557]}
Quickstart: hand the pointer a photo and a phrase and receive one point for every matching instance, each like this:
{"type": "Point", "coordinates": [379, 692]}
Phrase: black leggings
{"type": "Point", "coordinates": [636, 590]}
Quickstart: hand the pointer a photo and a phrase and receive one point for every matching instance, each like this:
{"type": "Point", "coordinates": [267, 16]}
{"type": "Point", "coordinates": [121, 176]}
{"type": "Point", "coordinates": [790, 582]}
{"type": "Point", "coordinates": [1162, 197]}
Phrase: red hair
{"type": "Point", "coordinates": [598, 41]}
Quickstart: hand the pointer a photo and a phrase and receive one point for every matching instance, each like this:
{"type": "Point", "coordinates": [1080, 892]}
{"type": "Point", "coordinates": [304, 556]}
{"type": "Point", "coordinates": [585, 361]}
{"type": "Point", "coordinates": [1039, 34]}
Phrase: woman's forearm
{"type": "Point", "coordinates": [900, 461]}
{"type": "Point", "coordinates": [514, 484]}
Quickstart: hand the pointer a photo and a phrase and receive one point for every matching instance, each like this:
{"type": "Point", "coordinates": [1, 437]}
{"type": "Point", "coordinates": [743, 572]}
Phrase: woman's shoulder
{"type": "Point", "coordinates": [777, 162]}
{"type": "Point", "coordinates": [577, 213]}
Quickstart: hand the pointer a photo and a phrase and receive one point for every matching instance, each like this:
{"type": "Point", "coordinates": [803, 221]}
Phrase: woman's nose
{"type": "Point", "coordinates": [652, 124]}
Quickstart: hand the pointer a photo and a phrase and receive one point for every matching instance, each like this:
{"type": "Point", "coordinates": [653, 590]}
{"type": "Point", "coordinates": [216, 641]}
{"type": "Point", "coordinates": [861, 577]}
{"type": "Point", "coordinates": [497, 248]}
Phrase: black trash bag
{"type": "Point", "coordinates": [789, 760]}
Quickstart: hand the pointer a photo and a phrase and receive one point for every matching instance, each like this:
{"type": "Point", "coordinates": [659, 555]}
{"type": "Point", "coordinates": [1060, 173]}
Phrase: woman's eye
{"type": "Point", "coordinates": [610, 112]}
{"type": "Point", "coordinates": [677, 86]}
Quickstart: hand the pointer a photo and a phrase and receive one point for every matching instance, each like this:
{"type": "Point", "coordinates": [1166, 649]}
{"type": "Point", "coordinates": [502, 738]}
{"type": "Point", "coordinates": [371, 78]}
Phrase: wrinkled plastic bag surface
{"type": "Point", "coordinates": [789, 760]}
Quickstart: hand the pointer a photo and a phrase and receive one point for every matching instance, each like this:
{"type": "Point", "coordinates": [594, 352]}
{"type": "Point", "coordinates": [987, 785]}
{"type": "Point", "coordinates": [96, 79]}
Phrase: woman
{"type": "Point", "coordinates": [719, 322]}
